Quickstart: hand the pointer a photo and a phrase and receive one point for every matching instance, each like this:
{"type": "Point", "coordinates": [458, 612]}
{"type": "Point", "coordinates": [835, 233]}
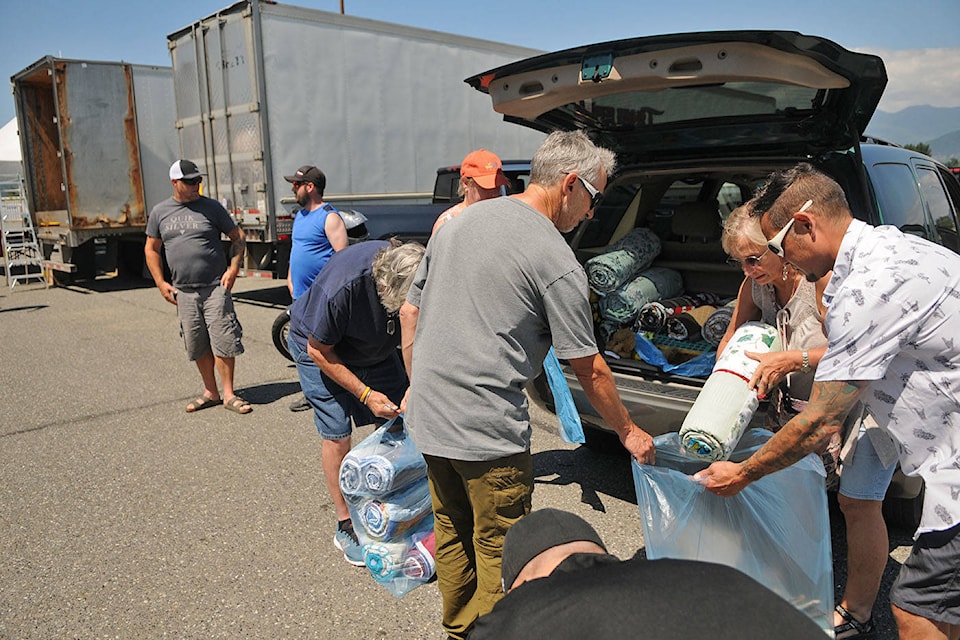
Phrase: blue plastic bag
{"type": "Point", "coordinates": [776, 530]}
{"type": "Point", "coordinates": [384, 482]}
{"type": "Point", "coordinates": [697, 367]}
{"type": "Point", "coordinates": [571, 429]}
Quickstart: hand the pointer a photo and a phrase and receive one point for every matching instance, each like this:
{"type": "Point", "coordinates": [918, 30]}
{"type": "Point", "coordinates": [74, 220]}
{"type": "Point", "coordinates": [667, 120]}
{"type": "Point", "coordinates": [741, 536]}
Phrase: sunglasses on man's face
{"type": "Point", "coordinates": [596, 196]}
{"type": "Point", "coordinates": [775, 244]}
{"type": "Point", "coordinates": [192, 181]}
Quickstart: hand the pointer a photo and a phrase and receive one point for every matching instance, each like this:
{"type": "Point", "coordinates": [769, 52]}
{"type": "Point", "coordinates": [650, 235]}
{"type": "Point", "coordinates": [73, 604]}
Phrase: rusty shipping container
{"type": "Point", "coordinates": [97, 141]}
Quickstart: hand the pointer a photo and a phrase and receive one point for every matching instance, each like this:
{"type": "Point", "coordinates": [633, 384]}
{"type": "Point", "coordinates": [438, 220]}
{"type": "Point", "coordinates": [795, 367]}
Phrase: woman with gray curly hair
{"type": "Point", "coordinates": [393, 271]}
{"type": "Point", "coordinates": [344, 337]}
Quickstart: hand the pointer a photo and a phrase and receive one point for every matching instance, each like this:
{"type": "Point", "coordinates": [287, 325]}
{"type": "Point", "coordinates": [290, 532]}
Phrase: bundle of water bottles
{"type": "Point", "coordinates": [384, 481]}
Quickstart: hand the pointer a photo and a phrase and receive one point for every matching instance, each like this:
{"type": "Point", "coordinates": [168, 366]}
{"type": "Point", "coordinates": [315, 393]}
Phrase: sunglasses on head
{"type": "Point", "coordinates": [775, 244]}
{"type": "Point", "coordinates": [192, 181]}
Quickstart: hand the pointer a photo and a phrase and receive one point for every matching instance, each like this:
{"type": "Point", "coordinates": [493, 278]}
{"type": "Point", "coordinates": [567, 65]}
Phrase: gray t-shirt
{"type": "Point", "coordinates": [497, 286]}
{"type": "Point", "coordinates": [190, 232]}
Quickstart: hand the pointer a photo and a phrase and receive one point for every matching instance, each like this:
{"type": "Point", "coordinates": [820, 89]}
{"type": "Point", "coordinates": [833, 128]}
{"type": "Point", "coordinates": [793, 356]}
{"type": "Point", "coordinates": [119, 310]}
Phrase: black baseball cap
{"type": "Point", "coordinates": [536, 532]}
{"type": "Point", "coordinates": [308, 173]}
{"type": "Point", "coordinates": [184, 169]}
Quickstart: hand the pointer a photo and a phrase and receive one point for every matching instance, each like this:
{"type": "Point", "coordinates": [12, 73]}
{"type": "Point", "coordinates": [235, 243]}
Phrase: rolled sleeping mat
{"type": "Point", "coordinates": [623, 305]}
{"type": "Point", "coordinates": [715, 326]}
{"type": "Point", "coordinates": [351, 476]}
{"type": "Point", "coordinates": [622, 260]}
{"type": "Point", "coordinates": [390, 516]}
{"type": "Point", "coordinates": [723, 409]}
{"type": "Point", "coordinates": [419, 563]}
{"type": "Point", "coordinates": [653, 315]}
{"type": "Point", "coordinates": [687, 326]}
{"type": "Point", "coordinates": [384, 560]}
{"type": "Point", "coordinates": [391, 467]}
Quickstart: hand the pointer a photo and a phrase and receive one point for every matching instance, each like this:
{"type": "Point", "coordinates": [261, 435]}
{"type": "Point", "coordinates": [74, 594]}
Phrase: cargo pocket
{"type": "Point", "coordinates": [510, 494]}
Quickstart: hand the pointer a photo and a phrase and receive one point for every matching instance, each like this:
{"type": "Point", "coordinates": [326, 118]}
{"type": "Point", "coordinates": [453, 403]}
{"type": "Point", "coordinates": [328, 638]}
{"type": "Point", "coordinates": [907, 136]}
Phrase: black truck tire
{"type": "Point", "coordinates": [280, 329]}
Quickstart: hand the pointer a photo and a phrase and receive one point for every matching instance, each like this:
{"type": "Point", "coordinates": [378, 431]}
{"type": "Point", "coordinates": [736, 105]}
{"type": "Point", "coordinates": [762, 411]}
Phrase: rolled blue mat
{"type": "Point", "coordinates": [622, 260]}
{"type": "Point", "coordinates": [624, 304]}
{"type": "Point", "coordinates": [385, 518]}
{"type": "Point", "coordinates": [351, 478]}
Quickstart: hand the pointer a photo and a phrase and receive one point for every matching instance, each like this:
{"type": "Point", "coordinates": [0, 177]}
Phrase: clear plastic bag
{"type": "Point", "coordinates": [384, 481]}
{"type": "Point", "coordinates": [776, 530]}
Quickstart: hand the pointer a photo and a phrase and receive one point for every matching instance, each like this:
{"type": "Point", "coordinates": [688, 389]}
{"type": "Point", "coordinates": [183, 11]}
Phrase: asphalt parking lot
{"type": "Point", "coordinates": [124, 517]}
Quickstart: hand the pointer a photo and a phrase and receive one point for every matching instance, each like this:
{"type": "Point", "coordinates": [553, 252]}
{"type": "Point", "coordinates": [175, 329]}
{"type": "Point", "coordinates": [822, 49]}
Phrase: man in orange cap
{"type": "Point", "coordinates": [481, 177]}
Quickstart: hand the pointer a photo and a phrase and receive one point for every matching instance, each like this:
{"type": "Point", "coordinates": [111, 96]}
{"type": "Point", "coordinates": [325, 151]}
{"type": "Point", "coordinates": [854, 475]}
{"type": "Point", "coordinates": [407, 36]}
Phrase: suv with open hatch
{"type": "Point", "coordinates": [697, 121]}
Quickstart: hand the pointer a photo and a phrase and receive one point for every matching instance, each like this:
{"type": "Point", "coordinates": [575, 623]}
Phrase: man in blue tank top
{"type": "Point", "coordinates": [318, 231]}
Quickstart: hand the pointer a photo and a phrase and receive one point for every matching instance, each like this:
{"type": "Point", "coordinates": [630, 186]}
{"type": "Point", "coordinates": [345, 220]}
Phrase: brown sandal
{"type": "Point", "coordinates": [237, 405]}
{"type": "Point", "coordinates": [203, 402]}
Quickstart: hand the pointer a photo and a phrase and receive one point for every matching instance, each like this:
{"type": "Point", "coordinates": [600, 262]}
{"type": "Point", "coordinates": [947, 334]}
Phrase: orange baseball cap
{"type": "Point", "coordinates": [485, 168]}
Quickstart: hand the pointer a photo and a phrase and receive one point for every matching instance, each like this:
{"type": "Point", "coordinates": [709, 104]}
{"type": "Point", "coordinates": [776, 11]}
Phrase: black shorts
{"type": "Point", "coordinates": [929, 581]}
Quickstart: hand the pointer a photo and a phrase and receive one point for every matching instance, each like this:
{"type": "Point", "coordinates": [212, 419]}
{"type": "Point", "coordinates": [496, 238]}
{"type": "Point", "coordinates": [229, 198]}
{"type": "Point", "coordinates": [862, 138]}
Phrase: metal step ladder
{"type": "Point", "coordinates": [21, 251]}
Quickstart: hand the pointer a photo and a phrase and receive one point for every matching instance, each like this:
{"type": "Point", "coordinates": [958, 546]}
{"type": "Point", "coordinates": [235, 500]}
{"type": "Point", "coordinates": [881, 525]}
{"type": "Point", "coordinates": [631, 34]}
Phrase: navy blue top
{"type": "Point", "coordinates": [342, 308]}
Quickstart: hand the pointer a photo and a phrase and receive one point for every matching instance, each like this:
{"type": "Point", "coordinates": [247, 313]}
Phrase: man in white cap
{"type": "Point", "coordinates": [188, 226]}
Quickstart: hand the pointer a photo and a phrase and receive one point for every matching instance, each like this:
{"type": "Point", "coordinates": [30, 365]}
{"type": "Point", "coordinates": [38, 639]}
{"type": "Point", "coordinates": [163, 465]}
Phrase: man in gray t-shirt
{"type": "Point", "coordinates": [497, 286]}
{"type": "Point", "coordinates": [188, 227]}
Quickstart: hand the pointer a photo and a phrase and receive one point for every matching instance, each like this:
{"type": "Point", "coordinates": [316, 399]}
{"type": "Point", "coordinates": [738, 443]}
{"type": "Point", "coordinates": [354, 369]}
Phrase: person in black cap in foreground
{"type": "Point", "coordinates": [561, 583]}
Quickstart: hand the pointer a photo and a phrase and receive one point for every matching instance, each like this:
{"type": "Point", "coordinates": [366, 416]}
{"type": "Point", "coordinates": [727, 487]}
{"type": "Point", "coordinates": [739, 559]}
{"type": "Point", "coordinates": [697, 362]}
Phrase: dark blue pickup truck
{"type": "Point", "coordinates": [413, 222]}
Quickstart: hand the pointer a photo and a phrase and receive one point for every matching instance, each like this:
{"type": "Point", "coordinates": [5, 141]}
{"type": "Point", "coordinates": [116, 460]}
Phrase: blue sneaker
{"type": "Point", "coordinates": [346, 540]}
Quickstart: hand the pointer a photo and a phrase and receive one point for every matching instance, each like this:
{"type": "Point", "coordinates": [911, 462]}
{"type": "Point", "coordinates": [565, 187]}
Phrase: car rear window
{"type": "Point", "coordinates": [731, 99]}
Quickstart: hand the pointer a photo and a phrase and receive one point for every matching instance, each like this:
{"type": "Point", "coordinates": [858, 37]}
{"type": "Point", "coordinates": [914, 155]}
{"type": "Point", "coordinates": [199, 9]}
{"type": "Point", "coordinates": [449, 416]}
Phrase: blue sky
{"type": "Point", "coordinates": [918, 39]}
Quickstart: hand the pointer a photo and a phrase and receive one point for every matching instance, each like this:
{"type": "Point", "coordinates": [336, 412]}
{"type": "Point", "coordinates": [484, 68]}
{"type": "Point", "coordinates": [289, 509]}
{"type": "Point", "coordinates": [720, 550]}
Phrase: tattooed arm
{"type": "Point", "coordinates": [824, 415]}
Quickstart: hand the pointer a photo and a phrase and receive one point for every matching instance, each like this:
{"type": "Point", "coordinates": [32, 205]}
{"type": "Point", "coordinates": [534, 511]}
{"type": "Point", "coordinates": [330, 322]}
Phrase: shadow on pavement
{"type": "Point", "coordinates": [278, 296]}
{"type": "Point", "coordinates": [267, 393]}
{"type": "Point", "coordinates": [105, 284]}
{"type": "Point", "coordinates": [596, 472]}
{"type": "Point", "coordinates": [34, 307]}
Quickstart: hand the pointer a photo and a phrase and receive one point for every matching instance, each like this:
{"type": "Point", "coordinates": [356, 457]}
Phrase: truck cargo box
{"type": "Point", "coordinates": [263, 88]}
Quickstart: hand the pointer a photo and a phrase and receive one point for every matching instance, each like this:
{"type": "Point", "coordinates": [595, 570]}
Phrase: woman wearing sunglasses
{"type": "Point", "coordinates": [775, 293]}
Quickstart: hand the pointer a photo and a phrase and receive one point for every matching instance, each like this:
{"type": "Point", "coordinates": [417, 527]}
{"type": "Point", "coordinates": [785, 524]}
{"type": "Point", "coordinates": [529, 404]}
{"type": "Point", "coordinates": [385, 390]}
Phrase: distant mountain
{"type": "Point", "coordinates": [946, 147]}
{"type": "Point", "coordinates": [937, 126]}
{"type": "Point", "coordinates": [914, 124]}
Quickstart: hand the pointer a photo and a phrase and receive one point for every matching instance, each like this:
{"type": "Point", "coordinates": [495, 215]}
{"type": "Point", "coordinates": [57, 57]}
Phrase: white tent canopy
{"type": "Point", "coordinates": [9, 142]}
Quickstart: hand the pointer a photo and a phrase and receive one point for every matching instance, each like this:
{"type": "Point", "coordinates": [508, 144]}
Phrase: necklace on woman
{"type": "Point", "coordinates": [786, 289]}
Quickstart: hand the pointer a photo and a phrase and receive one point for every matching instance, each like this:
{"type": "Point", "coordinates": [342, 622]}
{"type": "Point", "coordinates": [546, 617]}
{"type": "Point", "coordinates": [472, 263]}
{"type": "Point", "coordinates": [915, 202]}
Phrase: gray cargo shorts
{"type": "Point", "coordinates": [208, 322]}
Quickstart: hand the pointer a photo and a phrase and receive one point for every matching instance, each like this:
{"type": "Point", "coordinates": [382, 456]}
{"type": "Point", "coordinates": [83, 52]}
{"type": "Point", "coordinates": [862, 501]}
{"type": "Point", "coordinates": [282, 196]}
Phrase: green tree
{"type": "Point", "coordinates": [953, 162]}
{"type": "Point", "coordinates": [920, 147]}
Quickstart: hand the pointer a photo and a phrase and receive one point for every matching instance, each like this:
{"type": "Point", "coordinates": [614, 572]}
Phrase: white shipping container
{"type": "Point", "coordinates": [263, 88]}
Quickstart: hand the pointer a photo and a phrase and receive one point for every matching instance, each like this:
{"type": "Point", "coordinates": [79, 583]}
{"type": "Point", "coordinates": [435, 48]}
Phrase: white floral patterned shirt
{"type": "Point", "coordinates": [894, 320]}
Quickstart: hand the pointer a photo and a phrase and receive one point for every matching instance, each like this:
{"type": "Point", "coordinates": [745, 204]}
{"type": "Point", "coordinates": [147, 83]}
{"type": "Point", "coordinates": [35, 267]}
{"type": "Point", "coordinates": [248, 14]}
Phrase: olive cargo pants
{"type": "Point", "coordinates": [474, 503]}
